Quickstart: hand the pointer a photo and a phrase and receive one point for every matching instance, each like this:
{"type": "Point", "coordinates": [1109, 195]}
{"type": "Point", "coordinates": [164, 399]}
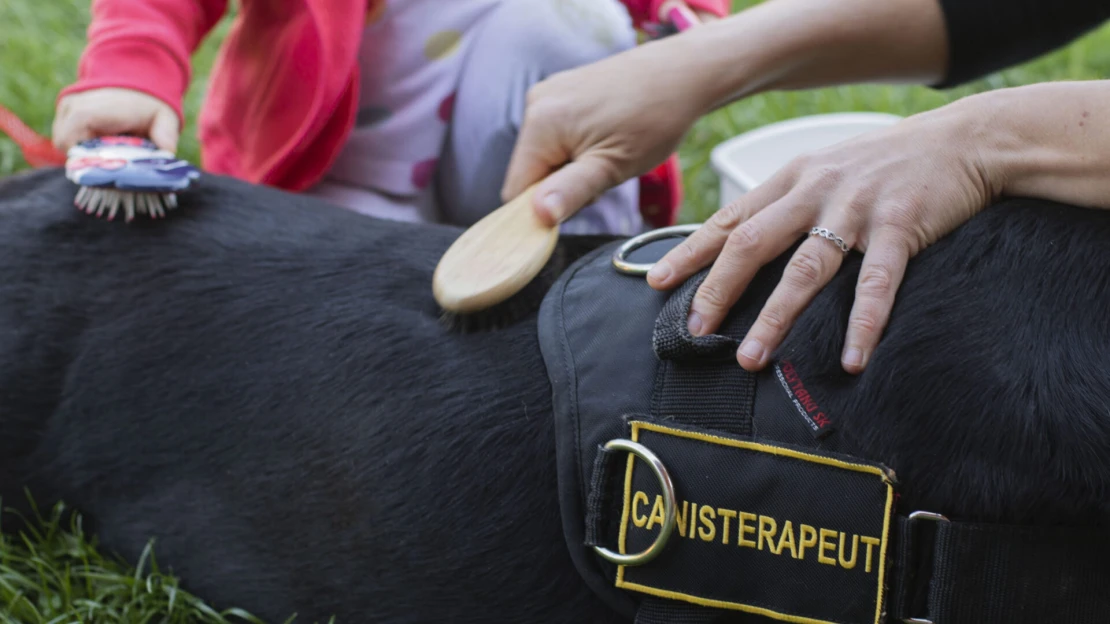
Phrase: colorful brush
{"type": "Point", "coordinates": [128, 174]}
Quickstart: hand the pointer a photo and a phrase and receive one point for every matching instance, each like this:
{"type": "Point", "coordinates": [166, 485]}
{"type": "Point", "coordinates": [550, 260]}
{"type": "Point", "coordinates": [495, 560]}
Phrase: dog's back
{"type": "Point", "coordinates": [988, 393]}
{"type": "Point", "coordinates": [261, 382]}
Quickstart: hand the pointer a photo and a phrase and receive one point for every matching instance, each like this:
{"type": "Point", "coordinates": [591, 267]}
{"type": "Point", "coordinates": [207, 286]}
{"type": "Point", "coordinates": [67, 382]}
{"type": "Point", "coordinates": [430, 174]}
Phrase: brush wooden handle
{"type": "Point", "coordinates": [495, 258]}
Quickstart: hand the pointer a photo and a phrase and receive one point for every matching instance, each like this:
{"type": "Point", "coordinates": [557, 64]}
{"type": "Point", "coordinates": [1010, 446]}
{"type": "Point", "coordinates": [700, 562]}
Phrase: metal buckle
{"type": "Point", "coordinates": [935, 517]}
{"type": "Point", "coordinates": [669, 505]}
{"type": "Point", "coordinates": [641, 268]}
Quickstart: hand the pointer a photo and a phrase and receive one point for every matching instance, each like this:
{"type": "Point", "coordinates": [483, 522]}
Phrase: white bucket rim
{"type": "Point", "coordinates": [723, 167]}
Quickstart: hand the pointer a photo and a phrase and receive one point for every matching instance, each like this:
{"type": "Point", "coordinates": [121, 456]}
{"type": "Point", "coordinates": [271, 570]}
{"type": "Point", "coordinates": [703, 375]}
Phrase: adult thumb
{"type": "Point", "coordinates": [572, 187]}
{"type": "Point", "coordinates": [164, 130]}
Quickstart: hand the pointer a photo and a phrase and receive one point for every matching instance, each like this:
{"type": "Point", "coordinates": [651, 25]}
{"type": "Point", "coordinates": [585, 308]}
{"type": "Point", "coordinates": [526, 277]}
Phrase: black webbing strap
{"type": "Point", "coordinates": [967, 573]}
{"type": "Point", "coordinates": [912, 568]}
{"type": "Point", "coordinates": [699, 381]}
{"type": "Point", "coordinates": [600, 504]}
{"type": "Point", "coordinates": [659, 611]}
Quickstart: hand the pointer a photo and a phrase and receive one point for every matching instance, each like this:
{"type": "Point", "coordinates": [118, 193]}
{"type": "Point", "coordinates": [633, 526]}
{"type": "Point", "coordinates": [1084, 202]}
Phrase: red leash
{"type": "Point", "coordinates": [37, 150]}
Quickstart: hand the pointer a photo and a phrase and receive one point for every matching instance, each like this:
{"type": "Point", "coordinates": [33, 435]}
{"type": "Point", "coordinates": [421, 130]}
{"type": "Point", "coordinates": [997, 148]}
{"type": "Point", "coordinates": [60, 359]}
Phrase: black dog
{"type": "Point", "coordinates": [262, 384]}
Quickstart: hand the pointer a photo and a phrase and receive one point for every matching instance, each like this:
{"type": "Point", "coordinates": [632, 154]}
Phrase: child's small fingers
{"type": "Point", "coordinates": [57, 127]}
{"type": "Point", "coordinates": [71, 135]}
{"type": "Point", "coordinates": [164, 130]}
{"type": "Point", "coordinates": [63, 131]}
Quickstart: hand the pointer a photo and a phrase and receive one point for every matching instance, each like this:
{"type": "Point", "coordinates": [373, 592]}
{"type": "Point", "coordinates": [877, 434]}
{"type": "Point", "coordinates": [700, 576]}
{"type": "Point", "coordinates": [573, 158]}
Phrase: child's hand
{"type": "Point", "coordinates": [100, 112]}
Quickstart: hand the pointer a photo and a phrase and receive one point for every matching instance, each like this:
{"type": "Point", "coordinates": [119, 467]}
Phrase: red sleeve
{"type": "Point", "coordinates": [145, 45]}
{"type": "Point", "coordinates": [647, 11]}
{"type": "Point", "coordinates": [720, 8]}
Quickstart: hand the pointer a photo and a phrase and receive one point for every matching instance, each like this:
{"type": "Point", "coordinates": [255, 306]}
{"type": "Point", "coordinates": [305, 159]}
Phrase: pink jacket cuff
{"type": "Point", "coordinates": [138, 63]}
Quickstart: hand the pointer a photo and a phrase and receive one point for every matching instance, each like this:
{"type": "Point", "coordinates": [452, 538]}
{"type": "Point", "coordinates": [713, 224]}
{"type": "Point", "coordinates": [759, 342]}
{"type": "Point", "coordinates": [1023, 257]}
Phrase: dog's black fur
{"type": "Point", "coordinates": [261, 383]}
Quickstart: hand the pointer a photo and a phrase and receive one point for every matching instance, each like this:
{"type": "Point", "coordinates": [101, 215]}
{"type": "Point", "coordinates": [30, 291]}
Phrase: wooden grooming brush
{"type": "Point", "coordinates": [488, 276]}
{"type": "Point", "coordinates": [483, 276]}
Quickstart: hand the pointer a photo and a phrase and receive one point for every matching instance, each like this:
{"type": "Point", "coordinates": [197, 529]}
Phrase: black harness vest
{"type": "Point", "coordinates": [693, 491]}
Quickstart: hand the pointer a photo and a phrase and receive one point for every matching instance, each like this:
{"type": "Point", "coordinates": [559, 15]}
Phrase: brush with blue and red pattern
{"type": "Point", "coordinates": [126, 174]}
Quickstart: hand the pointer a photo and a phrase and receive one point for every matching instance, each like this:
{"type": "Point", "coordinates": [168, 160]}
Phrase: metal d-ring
{"type": "Point", "coordinates": [927, 515]}
{"type": "Point", "coordinates": [669, 505]}
{"type": "Point", "coordinates": [935, 517]}
{"type": "Point", "coordinates": [641, 268]}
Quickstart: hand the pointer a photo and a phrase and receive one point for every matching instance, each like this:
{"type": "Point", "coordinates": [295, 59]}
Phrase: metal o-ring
{"type": "Point", "coordinates": [620, 257]}
{"type": "Point", "coordinates": [669, 505]}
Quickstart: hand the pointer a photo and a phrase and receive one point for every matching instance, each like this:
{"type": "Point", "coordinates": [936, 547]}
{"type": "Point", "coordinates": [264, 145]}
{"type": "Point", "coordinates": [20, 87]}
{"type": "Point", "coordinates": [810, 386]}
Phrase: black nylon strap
{"type": "Point", "coordinates": [967, 573]}
{"type": "Point", "coordinates": [600, 503]}
{"type": "Point", "coordinates": [699, 381]}
{"type": "Point", "coordinates": [672, 339]}
{"type": "Point", "coordinates": [996, 573]}
{"type": "Point", "coordinates": [659, 611]}
{"type": "Point", "coordinates": [912, 567]}
{"type": "Point", "coordinates": [723, 397]}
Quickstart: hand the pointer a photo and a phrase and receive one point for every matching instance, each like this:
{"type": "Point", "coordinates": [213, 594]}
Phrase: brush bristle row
{"type": "Point", "coordinates": [110, 202]}
{"type": "Point", "coordinates": [527, 301]}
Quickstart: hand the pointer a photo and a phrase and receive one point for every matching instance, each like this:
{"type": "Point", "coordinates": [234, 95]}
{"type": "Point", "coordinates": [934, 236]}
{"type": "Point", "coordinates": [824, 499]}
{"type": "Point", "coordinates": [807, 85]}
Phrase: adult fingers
{"type": "Point", "coordinates": [881, 273]}
{"type": "Point", "coordinates": [703, 246]}
{"type": "Point", "coordinates": [534, 155]}
{"type": "Point", "coordinates": [751, 245]}
{"type": "Point", "coordinates": [808, 271]}
{"type": "Point", "coordinates": [576, 184]}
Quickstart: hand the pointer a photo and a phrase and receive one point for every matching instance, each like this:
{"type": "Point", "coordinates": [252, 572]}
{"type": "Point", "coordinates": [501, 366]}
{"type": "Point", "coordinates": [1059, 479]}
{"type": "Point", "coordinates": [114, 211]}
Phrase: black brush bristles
{"type": "Point", "coordinates": [568, 249]}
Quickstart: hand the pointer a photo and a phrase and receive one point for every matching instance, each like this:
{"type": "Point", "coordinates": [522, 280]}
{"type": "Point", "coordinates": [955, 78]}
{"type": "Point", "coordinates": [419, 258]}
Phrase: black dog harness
{"type": "Point", "coordinates": [693, 491]}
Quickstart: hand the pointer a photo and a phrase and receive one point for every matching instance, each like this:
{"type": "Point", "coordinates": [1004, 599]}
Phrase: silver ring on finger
{"type": "Point", "coordinates": [827, 234]}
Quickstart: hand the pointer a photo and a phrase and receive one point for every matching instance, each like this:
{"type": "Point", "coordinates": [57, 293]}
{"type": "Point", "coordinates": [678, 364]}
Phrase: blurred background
{"type": "Point", "coordinates": [41, 40]}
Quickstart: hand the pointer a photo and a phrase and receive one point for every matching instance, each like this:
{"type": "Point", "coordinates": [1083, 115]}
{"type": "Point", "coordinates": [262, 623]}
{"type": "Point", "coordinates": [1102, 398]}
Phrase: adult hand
{"type": "Point", "coordinates": [100, 112]}
{"type": "Point", "coordinates": [608, 122]}
{"type": "Point", "coordinates": [888, 194]}
{"type": "Point", "coordinates": [593, 127]}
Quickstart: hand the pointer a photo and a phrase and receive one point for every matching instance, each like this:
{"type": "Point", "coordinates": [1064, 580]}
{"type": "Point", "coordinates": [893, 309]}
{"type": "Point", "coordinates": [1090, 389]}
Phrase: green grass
{"type": "Point", "coordinates": [55, 573]}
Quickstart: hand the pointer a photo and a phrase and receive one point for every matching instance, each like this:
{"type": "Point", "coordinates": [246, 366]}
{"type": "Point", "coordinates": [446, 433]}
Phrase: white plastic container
{"type": "Point", "coordinates": [745, 161]}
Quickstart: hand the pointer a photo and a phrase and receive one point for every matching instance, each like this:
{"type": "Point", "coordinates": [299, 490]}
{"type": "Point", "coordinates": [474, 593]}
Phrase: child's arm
{"type": "Point", "coordinates": [651, 11]}
{"type": "Point", "coordinates": [135, 70]}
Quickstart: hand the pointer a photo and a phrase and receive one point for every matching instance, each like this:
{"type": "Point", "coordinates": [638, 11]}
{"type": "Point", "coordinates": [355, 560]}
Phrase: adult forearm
{"type": "Point", "coordinates": [1050, 141]}
{"type": "Point", "coordinates": [798, 44]}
